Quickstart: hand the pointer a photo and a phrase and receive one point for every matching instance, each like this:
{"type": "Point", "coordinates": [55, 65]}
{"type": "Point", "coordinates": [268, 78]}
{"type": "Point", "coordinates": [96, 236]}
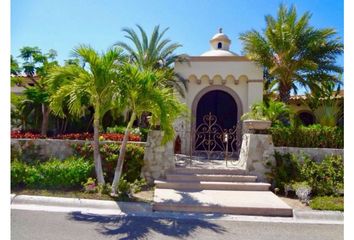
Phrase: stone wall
{"type": "Point", "coordinates": [158, 159]}
{"type": "Point", "coordinates": [257, 154]}
{"type": "Point", "coordinates": [43, 149]}
{"type": "Point", "coordinates": [318, 154]}
{"type": "Point", "coordinates": [256, 151]}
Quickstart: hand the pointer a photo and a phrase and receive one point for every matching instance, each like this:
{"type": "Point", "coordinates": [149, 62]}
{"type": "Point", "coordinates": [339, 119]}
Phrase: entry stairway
{"type": "Point", "coordinates": [227, 191]}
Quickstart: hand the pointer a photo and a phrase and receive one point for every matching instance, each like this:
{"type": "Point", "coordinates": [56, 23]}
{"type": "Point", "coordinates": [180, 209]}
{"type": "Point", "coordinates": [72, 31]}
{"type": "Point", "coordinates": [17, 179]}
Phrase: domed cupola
{"type": "Point", "coordinates": [220, 45]}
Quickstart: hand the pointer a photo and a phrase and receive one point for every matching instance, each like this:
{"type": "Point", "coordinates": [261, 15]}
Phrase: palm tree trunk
{"type": "Point", "coordinates": [120, 161]}
{"type": "Point", "coordinates": [284, 93]}
{"type": "Point", "coordinates": [96, 150]}
{"type": "Point", "coordinates": [45, 119]}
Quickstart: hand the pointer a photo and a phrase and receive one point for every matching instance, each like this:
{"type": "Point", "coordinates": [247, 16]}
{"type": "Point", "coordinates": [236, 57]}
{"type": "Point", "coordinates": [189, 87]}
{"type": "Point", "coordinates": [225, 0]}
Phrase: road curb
{"type": "Point", "coordinates": [125, 207]}
{"type": "Point", "coordinates": [145, 209]}
{"type": "Point", "coordinates": [318, 215]}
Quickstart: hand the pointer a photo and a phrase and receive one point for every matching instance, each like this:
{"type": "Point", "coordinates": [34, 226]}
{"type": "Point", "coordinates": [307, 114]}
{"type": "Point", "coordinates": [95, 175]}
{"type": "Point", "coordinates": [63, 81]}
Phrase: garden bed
{"type": "Point", "coordinates": [76, 136]}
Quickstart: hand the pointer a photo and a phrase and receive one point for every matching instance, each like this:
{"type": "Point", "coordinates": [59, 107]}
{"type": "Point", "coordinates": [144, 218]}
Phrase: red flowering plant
{"type": "Point", "coordinates": [77, 136]}
{"type": "Point", "coordinates": [20, 134]}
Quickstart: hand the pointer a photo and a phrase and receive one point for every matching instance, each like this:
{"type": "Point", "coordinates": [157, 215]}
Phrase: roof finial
{"type": "Point", "coordinates": [220, 30]}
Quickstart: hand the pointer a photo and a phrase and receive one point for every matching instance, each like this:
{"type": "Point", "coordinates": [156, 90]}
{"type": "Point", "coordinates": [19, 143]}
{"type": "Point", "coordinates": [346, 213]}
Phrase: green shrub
{"type": "Point", "coordinates": [327, 203]}
{"type": "Point", "coordinates": [134, 159]}
{"type": "Point", "coordinates": [18, 171]}
{"type": "Point", "coordinates": [54, 174]}
{"type": "Point", "coordinates": [315, 136]}
{"type": "Point", "coordinates": [286, 170]}
{"type": "Point", "coordinates": [325, 178]}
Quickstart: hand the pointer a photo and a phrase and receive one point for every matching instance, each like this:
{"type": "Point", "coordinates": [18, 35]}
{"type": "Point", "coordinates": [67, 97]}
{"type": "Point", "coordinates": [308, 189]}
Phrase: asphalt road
{"type": "Point", "coordinates": [33, 225]}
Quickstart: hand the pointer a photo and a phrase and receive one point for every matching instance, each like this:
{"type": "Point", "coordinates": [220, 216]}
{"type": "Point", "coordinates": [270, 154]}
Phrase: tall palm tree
{"type": "Point", "coordinates": [143, 90]}
{"type": "Point", "coordinates": [155, 52]}
{"type": "Point", "coordinates": [88, 85]}
{"type": "Point", "coordinates": [294, 53]}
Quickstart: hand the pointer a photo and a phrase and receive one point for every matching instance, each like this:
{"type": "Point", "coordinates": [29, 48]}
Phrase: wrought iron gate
{"type": "Point", "coordinates": [210, 141]}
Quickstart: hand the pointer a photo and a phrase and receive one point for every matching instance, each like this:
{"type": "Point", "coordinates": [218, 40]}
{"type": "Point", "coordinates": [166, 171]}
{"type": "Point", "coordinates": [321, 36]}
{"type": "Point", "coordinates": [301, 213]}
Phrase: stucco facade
{"type": "Point", "coordinates": [218, 69]}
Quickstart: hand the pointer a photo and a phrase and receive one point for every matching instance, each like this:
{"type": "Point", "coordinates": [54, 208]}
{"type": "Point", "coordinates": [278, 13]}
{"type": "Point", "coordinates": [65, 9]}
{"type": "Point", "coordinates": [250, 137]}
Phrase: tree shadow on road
{"type": "Point", "coordinates": [132, 227]}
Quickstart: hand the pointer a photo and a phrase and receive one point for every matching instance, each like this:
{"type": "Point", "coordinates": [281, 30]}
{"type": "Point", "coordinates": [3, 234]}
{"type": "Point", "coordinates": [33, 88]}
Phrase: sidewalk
{"type": "Point", "coordinates": [55, 204]}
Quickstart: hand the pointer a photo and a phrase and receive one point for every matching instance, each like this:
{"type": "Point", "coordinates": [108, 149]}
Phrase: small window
{"type": "Point", "coordinates": [219, 45]}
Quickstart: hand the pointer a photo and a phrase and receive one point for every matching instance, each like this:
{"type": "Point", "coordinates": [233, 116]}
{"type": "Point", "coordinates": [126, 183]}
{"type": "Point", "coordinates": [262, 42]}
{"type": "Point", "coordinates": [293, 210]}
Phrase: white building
{"type": "Point", "coordinates": [220, 82]}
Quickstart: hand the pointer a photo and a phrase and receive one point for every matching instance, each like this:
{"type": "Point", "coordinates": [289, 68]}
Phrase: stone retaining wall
{"type": "Point", "coordinates": [318, 154]}
{"type": "Point", "coordinates": [257, 154]}
{"type": "Point", "coordinates": [43, 149]}
{"type": "Point", "coordinates": [158, 159]}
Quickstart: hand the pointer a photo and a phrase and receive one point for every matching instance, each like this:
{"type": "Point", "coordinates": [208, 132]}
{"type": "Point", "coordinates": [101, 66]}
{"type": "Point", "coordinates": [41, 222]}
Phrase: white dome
{"type": "Point", "coordinates": [219, 52]}
{"type": "Point", "coordinates": [220, 37]}
{"type": "Point", "coordinates": [220, 45]}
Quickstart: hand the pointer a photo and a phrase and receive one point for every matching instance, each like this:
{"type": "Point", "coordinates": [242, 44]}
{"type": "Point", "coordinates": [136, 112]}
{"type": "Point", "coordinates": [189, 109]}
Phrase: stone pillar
{"type": "Point", "coordinates": [158, 159]}
{"type": "Point", "coordinates": [256, 154]}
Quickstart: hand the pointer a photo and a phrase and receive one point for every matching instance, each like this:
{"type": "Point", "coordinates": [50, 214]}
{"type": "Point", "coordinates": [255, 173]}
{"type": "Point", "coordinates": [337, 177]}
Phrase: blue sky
{"type": "Point", "coordinates": [63, 24]}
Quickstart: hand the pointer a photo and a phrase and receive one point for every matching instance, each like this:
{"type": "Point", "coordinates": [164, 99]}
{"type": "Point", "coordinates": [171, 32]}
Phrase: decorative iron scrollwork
{"type": "Point", "coordinates": [213, 142]}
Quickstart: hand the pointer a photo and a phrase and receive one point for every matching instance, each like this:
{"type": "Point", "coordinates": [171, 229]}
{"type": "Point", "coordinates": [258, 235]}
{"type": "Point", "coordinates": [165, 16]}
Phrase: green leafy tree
{"type": "Point", "coordinates": [294, 53]}
{"type": "Point", "coordinates": [88, 85]}
{"type": "Point", "coordinates": [144, 90]}
{"type": "Point", "coordinates": [36, 67]}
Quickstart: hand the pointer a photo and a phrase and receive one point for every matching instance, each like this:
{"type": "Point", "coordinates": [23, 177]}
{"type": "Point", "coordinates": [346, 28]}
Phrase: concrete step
{"type": "Point", "coordinates": [191, 170]}
{"type": "Point", "coordinates": [205, 185]}
{"type": "Point", "coordinates": [259, 203]}
{"type": "Point", "coordinates": [211, 177]}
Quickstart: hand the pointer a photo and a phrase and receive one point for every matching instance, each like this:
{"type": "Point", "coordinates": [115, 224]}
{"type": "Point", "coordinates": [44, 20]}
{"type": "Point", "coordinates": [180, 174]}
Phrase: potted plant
{"type": "Point", "coordinates": [255, 120]}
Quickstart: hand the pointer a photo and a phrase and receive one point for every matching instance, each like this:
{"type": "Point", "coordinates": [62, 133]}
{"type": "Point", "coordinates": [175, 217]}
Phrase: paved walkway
{"type": "Point", "coordinates": [184, 161]}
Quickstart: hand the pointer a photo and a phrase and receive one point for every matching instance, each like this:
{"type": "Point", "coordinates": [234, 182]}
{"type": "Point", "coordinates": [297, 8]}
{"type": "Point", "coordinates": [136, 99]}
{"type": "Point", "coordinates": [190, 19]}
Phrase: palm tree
{"type": "Point", "coordinates": [154, 53]}
{"type": "Point", "coordinates": [88, 85]}
{"type": "Point", "coordinates": [144, 90]}
{"type": "Point", "coordinates": [294, 53]}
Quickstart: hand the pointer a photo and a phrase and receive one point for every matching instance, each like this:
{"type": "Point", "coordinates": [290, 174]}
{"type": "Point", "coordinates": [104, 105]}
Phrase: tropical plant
{"type": "Point", "coordinates": [275, 111]}
{"type": "Point", "coordinates": [143, 90]}
{"type": "Point", "coordinates": [294, 53]}
{"type": "Point", "coordinates": [88, 85]}
{"type": "Point", "coordinates": [328, 113]}
{"type": "Point", "coordinates": [154, 53]}
{"type": "Point", "coordinates": [36, 67]}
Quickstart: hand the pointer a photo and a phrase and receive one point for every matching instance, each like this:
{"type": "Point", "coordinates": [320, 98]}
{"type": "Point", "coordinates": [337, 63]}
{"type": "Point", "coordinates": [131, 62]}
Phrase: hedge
{"type": "Point", "coordinates": [53, 174]}
{"type": "Point", "coordinates": [315, 136]}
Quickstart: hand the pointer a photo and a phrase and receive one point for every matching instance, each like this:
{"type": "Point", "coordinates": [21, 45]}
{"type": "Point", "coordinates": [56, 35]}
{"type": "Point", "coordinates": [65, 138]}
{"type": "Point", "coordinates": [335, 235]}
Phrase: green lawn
{"type": "Point", "coordinates": [328, 203]}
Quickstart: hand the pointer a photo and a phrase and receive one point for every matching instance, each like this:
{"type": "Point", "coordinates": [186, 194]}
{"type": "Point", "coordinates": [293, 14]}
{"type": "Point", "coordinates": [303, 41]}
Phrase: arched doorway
{"type": "Point", "coordinates": [220, 104]}
{"type": "Point", "coordinates": [216, 112]}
